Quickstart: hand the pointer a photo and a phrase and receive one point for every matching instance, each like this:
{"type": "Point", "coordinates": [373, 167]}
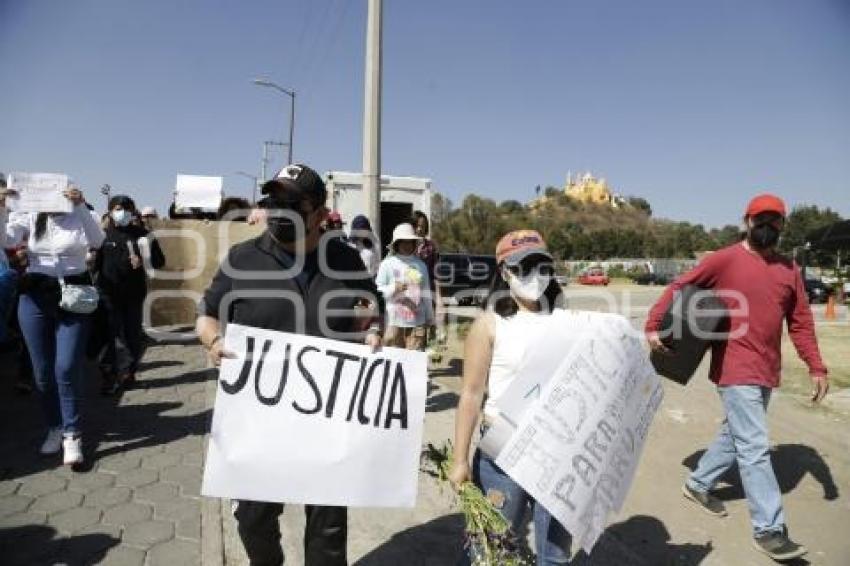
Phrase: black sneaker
{"type": "Point", "coordinates": [778, 546]}
{"type": "Point", "coordinates": [706, 501]}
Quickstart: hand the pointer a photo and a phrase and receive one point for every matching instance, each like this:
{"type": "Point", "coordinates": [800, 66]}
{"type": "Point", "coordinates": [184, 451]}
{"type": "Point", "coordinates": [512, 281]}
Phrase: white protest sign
{"type": "Point", "coordinates": [300, 419]}
{"type": "Point", "coordinates": [576, 448]}
{"type": "Point", "coordinates": [552, 338]}
{"type": "Point", "coordinates": [39, 192]}
{"type": "Point", "coordinates": [198, 191]}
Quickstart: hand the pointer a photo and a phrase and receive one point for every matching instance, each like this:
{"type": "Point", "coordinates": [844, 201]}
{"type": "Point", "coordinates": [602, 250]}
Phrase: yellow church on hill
{"type": "Point", "coordinates": [587, 188]}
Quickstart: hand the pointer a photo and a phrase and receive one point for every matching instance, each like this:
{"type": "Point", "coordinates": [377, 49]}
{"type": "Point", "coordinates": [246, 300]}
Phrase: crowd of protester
{"type": "Point", "coordinates": [73, 284]}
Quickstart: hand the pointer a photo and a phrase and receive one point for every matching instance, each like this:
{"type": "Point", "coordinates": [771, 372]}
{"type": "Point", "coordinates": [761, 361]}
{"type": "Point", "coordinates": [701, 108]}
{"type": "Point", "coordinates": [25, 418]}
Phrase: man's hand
{"type": "Point", "coordinates": [216, 352]}
{"type": "Point", "coordinates": [135, 261]}
{"type": "Point", "coordinates": [373, 340]}
{"type": "Point", "coordinates": [820, 386]}
{"type": "Point", "coordinates": [655, 343]}
{"type": "Point", "coordinates": [257, 216]}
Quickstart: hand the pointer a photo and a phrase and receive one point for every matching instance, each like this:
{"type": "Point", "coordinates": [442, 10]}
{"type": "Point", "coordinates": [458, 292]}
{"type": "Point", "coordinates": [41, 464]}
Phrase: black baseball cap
{"type": "Point", "coordinates": [296, 183]}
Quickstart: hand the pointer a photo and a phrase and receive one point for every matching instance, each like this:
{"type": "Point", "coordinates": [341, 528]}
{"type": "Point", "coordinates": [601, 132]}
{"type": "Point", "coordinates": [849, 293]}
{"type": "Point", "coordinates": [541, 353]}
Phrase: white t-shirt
{"type": "Point", "coordinates": [68, 237]}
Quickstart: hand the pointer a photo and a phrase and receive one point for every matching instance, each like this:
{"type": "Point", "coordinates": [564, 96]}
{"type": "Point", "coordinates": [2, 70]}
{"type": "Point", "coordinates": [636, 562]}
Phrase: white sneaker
{"type": "Point", "coordinates": [73, 447]}
{"type": "Point", "coordinates": [53, 442]}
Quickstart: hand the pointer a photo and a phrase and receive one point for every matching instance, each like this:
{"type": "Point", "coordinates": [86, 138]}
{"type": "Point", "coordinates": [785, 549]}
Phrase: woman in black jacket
{"type": "Point", "coordinates": [123, 286]}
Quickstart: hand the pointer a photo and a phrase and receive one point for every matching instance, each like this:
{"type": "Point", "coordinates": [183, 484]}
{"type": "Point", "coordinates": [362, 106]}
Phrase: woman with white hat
{"type": "Point", "coordinates": [403, 280]}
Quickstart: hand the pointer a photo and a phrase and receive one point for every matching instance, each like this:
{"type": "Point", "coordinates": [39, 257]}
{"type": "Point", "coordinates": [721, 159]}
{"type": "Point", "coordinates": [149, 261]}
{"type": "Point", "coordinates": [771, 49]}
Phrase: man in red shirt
{"type": "Point", "coordinates": [760, 289]}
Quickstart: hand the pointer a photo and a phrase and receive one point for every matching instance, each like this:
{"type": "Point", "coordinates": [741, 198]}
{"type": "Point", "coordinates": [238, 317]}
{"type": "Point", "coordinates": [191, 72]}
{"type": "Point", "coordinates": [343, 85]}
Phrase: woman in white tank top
{"type": "Point", "coordinates": [523, 294]}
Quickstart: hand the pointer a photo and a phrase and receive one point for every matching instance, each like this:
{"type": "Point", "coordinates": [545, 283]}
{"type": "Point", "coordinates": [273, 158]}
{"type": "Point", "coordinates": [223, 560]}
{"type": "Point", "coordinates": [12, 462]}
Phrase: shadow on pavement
{"type": "Point", "coordinates": [157, 364]}
{"type": "Point", "coordinates": [648, 540]}
{"type": "Point", "coordinates": [453, 369]}
{"type": "Point", "coordinates": [791, 462]}
{"type": "Point", "coordinates": [36, 544]}
{"type": "Point", "coordinates": [441, 401]}
{"type": "Point", "coordinates": [437, 542]}
{"type": "Point", "coordinates": [196, 376]}
{"type": "Point", "coordinates": [109, 427]}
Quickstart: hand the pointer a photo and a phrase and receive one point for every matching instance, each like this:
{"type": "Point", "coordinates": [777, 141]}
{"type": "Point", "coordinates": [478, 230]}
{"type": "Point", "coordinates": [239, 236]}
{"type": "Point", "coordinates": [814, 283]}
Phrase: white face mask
{"type": "Point", "coordinates": [121, 217]}
{"type": "Point", "coordinates": [529, 287]}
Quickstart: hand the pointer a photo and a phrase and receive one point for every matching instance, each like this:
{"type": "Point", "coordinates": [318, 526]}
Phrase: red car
{"type": "Point", "coordinates": [594, 277]}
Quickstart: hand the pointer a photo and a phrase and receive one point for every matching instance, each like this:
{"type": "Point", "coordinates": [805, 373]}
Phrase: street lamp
{"type": "Point", "coordinates": [291, 94]}
{"type": "Point", "coordinates": [256, 184]}
{"type": "Point", "coordinates": [106, 191]}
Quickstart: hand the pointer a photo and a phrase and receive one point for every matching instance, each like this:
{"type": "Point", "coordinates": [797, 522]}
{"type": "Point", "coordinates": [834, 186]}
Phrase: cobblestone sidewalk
{"type": "Point", "coordinates": [137, 502]}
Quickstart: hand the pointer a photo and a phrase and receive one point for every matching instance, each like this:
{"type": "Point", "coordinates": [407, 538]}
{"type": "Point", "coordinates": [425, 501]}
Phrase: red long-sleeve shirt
{"type": "Point", "coordinates": [769, 290]}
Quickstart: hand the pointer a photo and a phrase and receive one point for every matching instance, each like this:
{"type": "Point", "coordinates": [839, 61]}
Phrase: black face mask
{"type": "Point", "coordinates": [281, 229]}
{"type": "Point", "coordinates": [764, 236]}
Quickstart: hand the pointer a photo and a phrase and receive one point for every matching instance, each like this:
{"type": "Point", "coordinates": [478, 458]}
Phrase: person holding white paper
{"type": "Point", "coordinates": [522, 294]}
{"type": "Point", "coordinates": [57, 245]}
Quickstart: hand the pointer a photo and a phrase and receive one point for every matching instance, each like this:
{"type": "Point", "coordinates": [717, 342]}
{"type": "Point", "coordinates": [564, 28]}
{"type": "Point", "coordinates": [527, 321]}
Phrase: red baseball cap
{"type": "Point", "coordinates": [765, 203]}
{"type": "Point", "coordinates": [517, 245]}
{"type": "Point", "coordinates": [334, 216]}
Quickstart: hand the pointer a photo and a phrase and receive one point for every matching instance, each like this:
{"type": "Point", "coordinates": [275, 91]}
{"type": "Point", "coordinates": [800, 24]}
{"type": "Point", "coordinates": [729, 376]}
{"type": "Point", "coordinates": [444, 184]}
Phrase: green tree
{"type": "Point", "coordinates": [511, 207]}
{"type": "Point", "coordinates": [552, 192]}
{"type": "Point", "coordinates": [641, 204]}
{"type": "Point", "coordinates": [802, 221]}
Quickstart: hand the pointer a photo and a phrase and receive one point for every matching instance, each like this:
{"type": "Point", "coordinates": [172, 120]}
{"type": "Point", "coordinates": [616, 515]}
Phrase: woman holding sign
{"type": "Point", "coordinates": [55, 309]}
{"type": "Point", "coordinates": [504, 334]}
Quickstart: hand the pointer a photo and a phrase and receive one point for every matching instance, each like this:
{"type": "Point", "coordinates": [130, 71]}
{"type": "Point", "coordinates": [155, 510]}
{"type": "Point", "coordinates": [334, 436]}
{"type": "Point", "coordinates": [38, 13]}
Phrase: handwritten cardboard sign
{"type": "Point", "coordinates": [39, 192]}
{"type": "Point", "coordinates": [577, 445]}
{"type": "Point", "coordinates": [300, 419]}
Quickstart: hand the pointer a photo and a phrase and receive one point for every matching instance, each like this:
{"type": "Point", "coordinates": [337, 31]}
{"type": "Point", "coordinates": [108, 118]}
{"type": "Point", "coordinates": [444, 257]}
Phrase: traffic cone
{"type": "Point", "coordinates": [830, 307]}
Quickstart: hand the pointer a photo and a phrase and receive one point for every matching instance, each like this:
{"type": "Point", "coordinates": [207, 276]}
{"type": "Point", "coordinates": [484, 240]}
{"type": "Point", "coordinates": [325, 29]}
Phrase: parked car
{"type": "Point", "coordinates": [464, 277]}
{"type": "Point", "coordinates": [562, 280]}
{"type": "Point", "coordinates": [847, 292]}
{"type": "Point", "coordinates": [594, 276]}
{"type": "Point", "coordinates": [653, 278]}
{"type": "Point", "coordinates": [816, 290]}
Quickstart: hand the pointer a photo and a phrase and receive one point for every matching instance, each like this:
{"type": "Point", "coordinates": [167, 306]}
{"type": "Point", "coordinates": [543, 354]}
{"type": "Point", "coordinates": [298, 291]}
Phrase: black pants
{"type": "Point", "coordinates": [325, 535]}
{"type": "Point", "coordinates": [124, 345]}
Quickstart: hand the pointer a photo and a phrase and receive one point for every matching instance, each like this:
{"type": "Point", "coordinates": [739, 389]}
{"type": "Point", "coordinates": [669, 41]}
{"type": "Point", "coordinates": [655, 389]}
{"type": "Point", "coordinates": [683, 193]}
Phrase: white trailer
{"type": "Point", "coordinates": [400, 196]}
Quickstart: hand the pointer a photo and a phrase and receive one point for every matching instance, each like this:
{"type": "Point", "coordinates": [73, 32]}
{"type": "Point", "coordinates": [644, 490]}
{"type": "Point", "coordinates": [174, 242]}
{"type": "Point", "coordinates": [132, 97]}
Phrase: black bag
{"type": "Point", "coordinates": [692, 314]}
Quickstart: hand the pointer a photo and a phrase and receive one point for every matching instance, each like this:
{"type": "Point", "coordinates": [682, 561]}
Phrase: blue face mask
{"type": "Point", "coordinates": [121, 217]}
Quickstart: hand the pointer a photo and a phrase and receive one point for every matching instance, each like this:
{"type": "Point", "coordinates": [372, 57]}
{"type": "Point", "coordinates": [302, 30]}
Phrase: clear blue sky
{"type": "Point", "coordinates": [693, 105]}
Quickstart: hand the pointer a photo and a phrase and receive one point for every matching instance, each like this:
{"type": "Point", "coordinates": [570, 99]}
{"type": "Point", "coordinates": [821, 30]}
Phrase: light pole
{"type": "Point", "coordinates": [291, 95]}
{"type": "Point", "coordinates": [256, 183]}
{"type": "Point", "coordinates": [106, 191]}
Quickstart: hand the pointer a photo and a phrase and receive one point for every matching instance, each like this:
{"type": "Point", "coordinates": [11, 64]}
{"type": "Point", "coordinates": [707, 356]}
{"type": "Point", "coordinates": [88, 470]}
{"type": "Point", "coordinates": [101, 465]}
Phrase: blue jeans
{"type": "Point", "coordinates": [56, 341]}
{"type": "Point", "coordinates": [551, 540]}
{"type": "Point", "coordinates": [743, 439]}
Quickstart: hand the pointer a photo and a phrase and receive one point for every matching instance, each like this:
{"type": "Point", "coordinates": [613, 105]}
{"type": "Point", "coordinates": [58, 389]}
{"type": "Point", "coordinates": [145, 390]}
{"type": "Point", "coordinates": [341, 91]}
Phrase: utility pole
{"type": "Point", "coordinates": [265, 160]}
{"type": "Point", "coordinates": [372, 117]}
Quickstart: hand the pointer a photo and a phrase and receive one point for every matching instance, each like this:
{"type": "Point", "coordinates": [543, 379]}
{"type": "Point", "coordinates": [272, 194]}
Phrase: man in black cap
{"type": "Point", "coordinates": [327, 277]}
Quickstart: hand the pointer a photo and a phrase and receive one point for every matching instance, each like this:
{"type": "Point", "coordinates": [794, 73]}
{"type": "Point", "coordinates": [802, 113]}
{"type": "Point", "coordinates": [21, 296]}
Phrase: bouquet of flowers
{"type": "Point", "coordinates": [488, 534]}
